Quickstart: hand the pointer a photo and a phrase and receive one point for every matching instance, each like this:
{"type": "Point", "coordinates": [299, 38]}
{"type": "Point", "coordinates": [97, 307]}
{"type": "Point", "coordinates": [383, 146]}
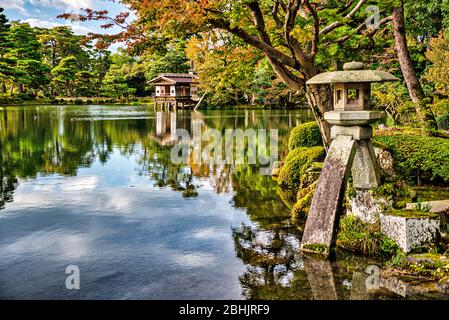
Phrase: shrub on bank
{"type": "Point", "coordinates": [305, 135]}
{"type": "Point", "coordinates": [422, 157]}
{"type": "Point", "coordinates": [443, 121]}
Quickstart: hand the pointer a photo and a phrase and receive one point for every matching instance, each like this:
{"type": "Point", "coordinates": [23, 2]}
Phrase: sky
{"type": "Point", "coordinates": [42, 13]}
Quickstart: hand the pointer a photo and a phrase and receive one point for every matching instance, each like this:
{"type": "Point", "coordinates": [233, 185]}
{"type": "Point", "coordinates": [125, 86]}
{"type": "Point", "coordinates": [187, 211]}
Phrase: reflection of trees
{"type": "Point", "coordinates": [45, 140]}
{"type": "Point", "coordinates": [272, 264]}
{"type": "Point", "coordinates": [8, 182]}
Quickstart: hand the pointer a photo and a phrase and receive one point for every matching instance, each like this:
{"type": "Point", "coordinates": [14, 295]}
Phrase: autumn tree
{"type": "Point", "coordinates": [230, 71]}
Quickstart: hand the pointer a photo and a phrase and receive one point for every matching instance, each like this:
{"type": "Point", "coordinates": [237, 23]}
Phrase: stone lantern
{"type": "Point", "coordinates": [350, 148]}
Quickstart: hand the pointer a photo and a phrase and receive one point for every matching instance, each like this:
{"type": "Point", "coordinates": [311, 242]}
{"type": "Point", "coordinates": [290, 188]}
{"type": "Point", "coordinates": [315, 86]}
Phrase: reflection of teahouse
{"type": "Point", "coordinates": [175, 89]}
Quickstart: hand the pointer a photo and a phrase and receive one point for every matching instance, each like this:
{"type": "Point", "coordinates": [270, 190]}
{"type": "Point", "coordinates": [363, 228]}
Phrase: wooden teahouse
{"type": "Point", "coordinates": [175, 89]}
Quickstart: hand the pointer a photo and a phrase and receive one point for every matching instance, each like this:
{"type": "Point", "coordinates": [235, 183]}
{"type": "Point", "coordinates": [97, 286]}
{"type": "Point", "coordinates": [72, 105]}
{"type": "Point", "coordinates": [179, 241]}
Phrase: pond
{"type": "Point", "coordinates": [94, 187]}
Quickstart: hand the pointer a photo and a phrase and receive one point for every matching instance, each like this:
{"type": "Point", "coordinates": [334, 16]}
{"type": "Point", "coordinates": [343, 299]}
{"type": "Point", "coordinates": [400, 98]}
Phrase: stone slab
{"type": "Point", "coordinates": [433, 206]}
{"type": "Point", "coordinates": [352, 118]}
{"type": "Point", "coordinates": [327, 199]}
{"type": "Point", "coordinates": [410, 232]}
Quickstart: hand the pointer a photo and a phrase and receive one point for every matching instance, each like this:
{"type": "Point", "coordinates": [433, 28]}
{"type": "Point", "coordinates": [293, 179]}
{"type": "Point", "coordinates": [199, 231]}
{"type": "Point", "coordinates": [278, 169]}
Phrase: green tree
{"type": "Point", "coordinates": [65, 73]}
{"type": "Point", "coordinates": [6, 72]}
{"type": "Point", "coordinates": [115, 82]}
{"type": "Point", "coordinates": [60, 42]}
{"type": "Point", "coordinates": [25, 58]}
{"type": "Point", "coordinates": [171, 59]}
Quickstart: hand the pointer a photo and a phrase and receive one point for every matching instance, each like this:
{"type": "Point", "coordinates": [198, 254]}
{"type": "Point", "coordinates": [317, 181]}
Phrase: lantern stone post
{"type": "Point", "coordinates": [350, 151]}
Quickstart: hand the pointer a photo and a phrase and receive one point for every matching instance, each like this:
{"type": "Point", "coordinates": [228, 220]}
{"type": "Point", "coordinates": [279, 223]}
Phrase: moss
{"type": "Point", "coordinates": [419, 156]}
{"type": "Point", "coordinates": [302, 206]}
{"type": "Point", "coordinates": [305, 135]}
{"type": "Point", "coordinates": [290, 174]}
{"type": "Point", "coordinates": [399, 193]}
{"type": "Point", "coordinates": [288, 197]}
{"type": "Point", "coordinates": [411, 214]}
{"type": "Point", "coordinates": [431, 193]}
{"type": "Point", "coordinates": [431, 265]}
{"type": "Point", "coordinates": [380, 145]}
{"type": "Point", "coordinates": [294, 153]}
{"type": "Point", "coordinates": [356, 236]}
{"type": "Point", "coordinates": [316, 247]}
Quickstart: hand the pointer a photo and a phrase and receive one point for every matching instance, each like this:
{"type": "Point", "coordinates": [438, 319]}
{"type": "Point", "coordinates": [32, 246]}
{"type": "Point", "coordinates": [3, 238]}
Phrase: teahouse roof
{"type": "Point", "coordinates": [173, 78]}
{"type": "Point", "coordinates": [353, 73]}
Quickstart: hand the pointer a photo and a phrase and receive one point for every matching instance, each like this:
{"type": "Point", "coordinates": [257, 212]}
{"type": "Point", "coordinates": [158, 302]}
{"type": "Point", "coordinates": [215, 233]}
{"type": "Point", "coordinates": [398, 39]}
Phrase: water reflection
{"type": "Point", "coordinates": [94, 186]}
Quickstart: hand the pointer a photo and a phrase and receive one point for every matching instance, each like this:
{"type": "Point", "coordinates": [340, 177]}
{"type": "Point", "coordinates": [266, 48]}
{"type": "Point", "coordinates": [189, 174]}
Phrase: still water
{"type": "Point", "coordinates": [93, 186]}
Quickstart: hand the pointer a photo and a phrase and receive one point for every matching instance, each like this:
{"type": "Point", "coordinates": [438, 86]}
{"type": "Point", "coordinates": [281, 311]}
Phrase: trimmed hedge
{"type": "Point", "coordinates": [305, 135]}
{"type": "Point", "coordinates": [419, 155]}
{"type": "Point", "coordinates": [443, 122]}
{"type": "Point", "coordinates": [296, 164]}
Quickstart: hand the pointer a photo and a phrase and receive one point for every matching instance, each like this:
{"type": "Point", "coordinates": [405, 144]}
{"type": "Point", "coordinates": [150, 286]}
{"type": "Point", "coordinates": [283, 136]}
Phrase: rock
{"type": "Point", "coordinates": [386, 162]}
{"type": "Point", "coordinates": [366, 207]}
{"type": "Point", "coordinates": [382, 127]}
{"type": "Point", "coordinates": [410, 229]}
{"type": "Point", "coordinates": [431, 206]}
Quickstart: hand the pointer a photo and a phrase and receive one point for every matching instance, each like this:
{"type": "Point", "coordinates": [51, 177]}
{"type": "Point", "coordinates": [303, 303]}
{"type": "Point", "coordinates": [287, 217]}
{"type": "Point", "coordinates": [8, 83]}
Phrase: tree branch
{"type": "Point", "coordinates": [349, 16]}
{"type": "Point", "coordinates": [254, 41]}
{"type": "Point", "coordinates": [259, 21]}
{"type": "Point", "coordinates": [316, 29]}
{"type": "Point", "coordinates": [369, 32]}
{"type": "Point", "coordinates": [275, 14]}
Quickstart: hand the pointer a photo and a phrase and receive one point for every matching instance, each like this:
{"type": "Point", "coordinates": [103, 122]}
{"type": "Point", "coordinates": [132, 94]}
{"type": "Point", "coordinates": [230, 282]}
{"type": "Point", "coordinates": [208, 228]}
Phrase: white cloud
{"type": "Point", "coordinates": [18, 5]}
{"type": "Point", "coordinates": [63, 4]}
{"type": "Point", "coordinates": [77, 28]}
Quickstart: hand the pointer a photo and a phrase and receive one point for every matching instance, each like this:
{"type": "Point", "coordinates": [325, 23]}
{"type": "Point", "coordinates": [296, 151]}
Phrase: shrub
{"type": "Point", "coordinates": [426, 157]}
{"type": "Point", "coordinates": [443, 122]}
{"type": "Point", "coordinates": [290, 174]}
{"type": "Point", "coordinates": [305, 135]}
{"type": "Point", "coordinates": [78, 101]}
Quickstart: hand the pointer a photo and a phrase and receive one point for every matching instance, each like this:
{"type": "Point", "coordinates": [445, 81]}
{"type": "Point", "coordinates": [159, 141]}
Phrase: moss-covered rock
{"type": "Point", "coordinates": [304, 200]}
{"type": "Point", "coordinates": [356, 236]}
{"type": "Point", "coordinates": [290, 174]}
{"type": "Point", "coordinates": [288, 197]}
{"type": "Point", "coordinates": [305, 135]}
{"type": "Point", "coordinates": [398, 193]}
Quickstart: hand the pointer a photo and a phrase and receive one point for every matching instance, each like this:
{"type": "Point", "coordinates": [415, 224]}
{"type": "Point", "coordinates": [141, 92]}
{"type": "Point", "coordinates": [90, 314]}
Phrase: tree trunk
{"type": "Point", "coordinates": [320, 101]}
{"type": "Point", "coordinates": [3, 90]}
{"type": "Point", "coordinates": [413, 85]}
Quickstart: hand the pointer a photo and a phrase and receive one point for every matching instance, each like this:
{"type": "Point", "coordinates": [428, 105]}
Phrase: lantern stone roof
{"type": "Point", "coordinates": [353, 72]}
